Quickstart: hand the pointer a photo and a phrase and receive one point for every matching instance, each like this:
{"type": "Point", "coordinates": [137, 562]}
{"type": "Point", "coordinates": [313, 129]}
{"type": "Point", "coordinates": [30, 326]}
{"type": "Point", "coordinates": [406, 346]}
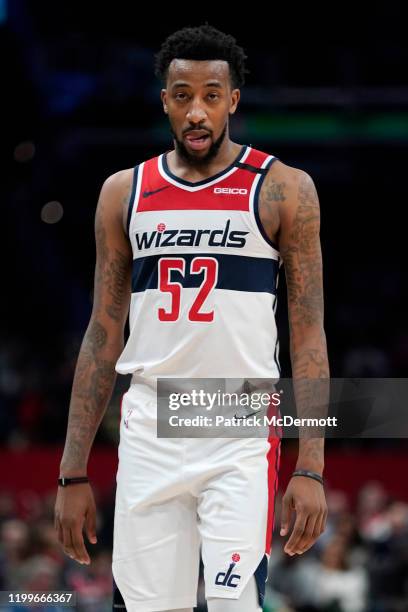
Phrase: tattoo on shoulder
{"type": "Point", "coordinates": [307, 192]}
{"type": "Point", "coordinates": [274, 191]}
{"type": "Point", "coordinates": [272, 194]}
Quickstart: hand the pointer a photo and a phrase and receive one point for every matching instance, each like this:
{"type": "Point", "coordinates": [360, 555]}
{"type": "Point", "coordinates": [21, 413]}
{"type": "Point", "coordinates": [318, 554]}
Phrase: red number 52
{"type": "Point", "coordinates": [207, 264]}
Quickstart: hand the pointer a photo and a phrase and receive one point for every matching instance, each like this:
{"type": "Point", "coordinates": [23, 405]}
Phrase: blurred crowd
{"type": "Point", "coordinates": [31, 558]}
{"type": "Point", "coordinates": [359, 564]}
{"type": "Point", "coordinates": [35, 389]}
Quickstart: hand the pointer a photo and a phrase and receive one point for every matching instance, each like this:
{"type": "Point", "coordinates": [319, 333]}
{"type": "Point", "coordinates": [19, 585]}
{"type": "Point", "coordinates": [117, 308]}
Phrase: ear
{"type": "Point", "coordinates": [163, 96]}
{"type": "Point", "coordinates": [235, 97]}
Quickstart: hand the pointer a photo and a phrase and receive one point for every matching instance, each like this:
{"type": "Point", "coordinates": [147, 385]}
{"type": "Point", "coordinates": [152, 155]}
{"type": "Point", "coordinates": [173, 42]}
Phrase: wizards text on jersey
{"type": "Point", "coordinates": [163, 237]}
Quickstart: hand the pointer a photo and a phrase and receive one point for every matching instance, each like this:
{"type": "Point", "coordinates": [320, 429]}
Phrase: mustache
{"type": "Point", "coordinates": [197, 129]}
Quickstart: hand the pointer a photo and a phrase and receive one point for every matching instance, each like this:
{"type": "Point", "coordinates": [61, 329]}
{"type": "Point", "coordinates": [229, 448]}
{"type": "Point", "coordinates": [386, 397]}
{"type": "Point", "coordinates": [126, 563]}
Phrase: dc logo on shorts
{"type": "Point", "coordinates": [228, 578]}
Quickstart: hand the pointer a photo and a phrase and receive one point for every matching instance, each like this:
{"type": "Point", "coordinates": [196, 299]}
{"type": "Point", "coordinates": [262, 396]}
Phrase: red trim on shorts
{"type": "Point", "coordinates": [273, 467]}
{"type": "Point", "coordinates": [273, 458]}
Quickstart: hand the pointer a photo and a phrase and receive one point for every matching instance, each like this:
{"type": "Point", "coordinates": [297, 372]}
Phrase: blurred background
{"type": "Point", "coordinates": [327, 92]}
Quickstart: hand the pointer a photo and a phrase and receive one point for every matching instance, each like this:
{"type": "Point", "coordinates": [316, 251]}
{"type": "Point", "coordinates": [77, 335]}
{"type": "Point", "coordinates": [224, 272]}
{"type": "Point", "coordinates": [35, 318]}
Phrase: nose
{"type": "Point", "coordinates": [196, 113]}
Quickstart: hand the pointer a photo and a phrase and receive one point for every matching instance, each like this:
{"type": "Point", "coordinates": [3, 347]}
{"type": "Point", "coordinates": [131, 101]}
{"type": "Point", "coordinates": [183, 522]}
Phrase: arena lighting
{"type": "Point", "coordinates": [3, 12]}
{"type": "Point", "coordinates": [52, 212]}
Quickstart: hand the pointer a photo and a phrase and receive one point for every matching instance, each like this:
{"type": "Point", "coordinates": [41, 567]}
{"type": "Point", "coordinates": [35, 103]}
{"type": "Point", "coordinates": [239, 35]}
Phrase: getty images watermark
{"type": "Point", "coordinates": [255, 401]}
{"type": "Point", "coordinates": [236, 407]}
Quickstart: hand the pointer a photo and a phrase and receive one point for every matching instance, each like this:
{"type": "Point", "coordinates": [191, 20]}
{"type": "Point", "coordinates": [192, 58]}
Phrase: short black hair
{"type": "Point", "coordinates": [203, 42]}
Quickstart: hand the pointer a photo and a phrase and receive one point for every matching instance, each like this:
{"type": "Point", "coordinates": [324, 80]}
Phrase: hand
{"type": "Point", "coordinates": [74, 510]}
{"type": "Point", "coordinates": [306, 497]}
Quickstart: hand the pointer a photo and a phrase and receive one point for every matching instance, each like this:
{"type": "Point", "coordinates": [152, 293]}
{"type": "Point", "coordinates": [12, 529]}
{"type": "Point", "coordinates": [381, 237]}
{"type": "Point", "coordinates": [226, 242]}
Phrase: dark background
{"type": "Point", "coordinates": [327, 92]}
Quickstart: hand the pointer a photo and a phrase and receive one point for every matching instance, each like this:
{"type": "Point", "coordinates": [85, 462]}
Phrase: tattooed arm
{"type": "Point", "coordinates": [300, 249]}
{"type": "Point", "coordinates": [95, 371]}
{"type": "Point", "coordinates": [290, 214]}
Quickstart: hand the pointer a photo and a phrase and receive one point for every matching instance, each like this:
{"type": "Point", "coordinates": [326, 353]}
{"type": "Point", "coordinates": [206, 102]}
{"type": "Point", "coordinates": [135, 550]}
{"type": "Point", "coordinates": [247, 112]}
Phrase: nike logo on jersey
{"type": "Point", "coordinates": [191, 237]}
{"type": "Point", "coordinates": [245, 416]}
{"type": "Point", "coordinates": [146, 194]}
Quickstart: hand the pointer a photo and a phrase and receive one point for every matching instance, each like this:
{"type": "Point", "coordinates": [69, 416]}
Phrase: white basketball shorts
{"type": "Point", "coordinates": [175, 495]}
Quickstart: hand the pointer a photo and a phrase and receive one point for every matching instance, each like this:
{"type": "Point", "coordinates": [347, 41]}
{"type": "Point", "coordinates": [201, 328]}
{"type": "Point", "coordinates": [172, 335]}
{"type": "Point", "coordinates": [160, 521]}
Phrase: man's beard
{"type": "Point", "coordinates": [198, 161]}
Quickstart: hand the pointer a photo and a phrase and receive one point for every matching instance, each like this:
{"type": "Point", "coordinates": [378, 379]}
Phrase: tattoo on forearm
{"type": "Point", "coordinates": [93, 384]}
{"type": "Point", "coordinates": [316, 358]}
{"type": "Point", "coordinates": [311, 453]}
{"type": "Point", "coordinates": [97, 336]}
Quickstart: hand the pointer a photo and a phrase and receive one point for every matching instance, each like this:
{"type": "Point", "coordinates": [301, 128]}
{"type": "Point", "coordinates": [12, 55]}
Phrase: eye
{"type": "Point", "coordinates": [213, 96]}
{"type": "Point", "coordinates": [180, 95]}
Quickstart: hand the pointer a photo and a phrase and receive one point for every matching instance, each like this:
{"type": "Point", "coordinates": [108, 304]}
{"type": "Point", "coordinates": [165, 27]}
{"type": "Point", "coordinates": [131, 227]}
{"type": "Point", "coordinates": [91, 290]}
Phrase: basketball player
{"type": "Point", "coordinates": [192, 240]}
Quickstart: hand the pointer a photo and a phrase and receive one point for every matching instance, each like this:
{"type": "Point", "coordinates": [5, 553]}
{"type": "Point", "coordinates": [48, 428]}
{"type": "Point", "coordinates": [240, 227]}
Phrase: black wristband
{"type": "Point", "coordinates": [64, 482]}
{"type": "Point", "coordinates": [309, 474]}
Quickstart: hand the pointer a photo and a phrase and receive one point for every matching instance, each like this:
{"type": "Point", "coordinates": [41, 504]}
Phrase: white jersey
{"type": "Point", "coordinates": [204, 276]}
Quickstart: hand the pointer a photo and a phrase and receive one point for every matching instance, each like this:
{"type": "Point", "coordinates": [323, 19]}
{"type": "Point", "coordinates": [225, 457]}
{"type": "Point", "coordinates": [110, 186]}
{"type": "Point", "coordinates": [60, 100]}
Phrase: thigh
{"type": "Point", "coordinates": [118, 605]}
{"type": "Point", "coordinates": [156, 541]}
{"type": "Point", "coordinates": [236, 510]}
{"type": "Point", "coordinates": [156, 555]}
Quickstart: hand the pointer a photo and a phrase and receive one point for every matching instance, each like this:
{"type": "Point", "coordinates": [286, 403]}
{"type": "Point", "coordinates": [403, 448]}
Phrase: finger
{"type": "Point", "coordinates": [58, 529]}
{"type": "Point", "coordinates": [321, 524]}
{"type": "Point", "coordinates": [81, 554]}
{"type": "Point", "coordinates": [286, 515]}
{"type": "Point", "coordinates": [90, 526]}
{"type": "Point", "coordinates": [326, 512]}
{"type": "Point", "coordinates": [318, 529]}
{"type": "Point", "coordinates": [67, 542]}
{"type": "Point", "coordinates": [309, 537]}
{"type": "Point", "coordinates": [297, 532]}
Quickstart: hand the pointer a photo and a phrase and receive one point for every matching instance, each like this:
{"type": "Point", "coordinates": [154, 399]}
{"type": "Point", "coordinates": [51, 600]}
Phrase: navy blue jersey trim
{"type": "Point", "coordinates": [276, 358]}
{"type": "Point", "coordinates": [261, 574]}
{"type": "Point", "coordinates": [256, 206]}
{"type": "Point", "coordinates": [251, 168]}
{"type": "Point", "coordinates": [117, 599]}
{"type": "Point", "coordinates": [275, 307]}
{"type": "Point", "coordinates": [204, 181]}
{"type": "Point", "coordinates": [132, 197]}
{"type": "Point", "coordinates": [235, 272]}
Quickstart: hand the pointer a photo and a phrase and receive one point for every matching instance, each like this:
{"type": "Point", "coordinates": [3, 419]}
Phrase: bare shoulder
{"type": "Point", "coordinates": [119, 180]}
{"type": "Point", "coordinates": [115, 195]}
{"type": "Point", "coordinates": [285, 183]}
{"type": "Point", "coordinates": [285, 192]}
